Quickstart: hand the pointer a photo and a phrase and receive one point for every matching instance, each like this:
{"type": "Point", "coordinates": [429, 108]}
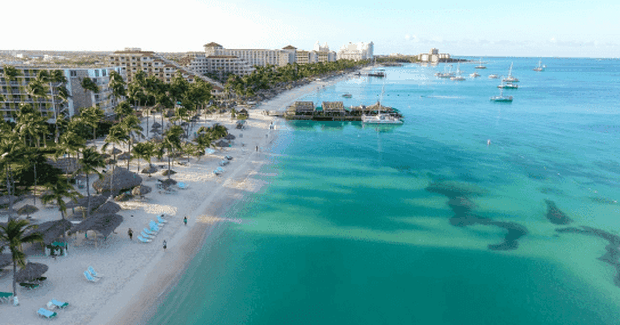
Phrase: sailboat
{"type": "Point", "coordinates": [381, 118]}
{"type": "Point", "coordinates": [458, 76]}
{"type": "Point", "coordinates": [508, 85]}
{"type": "Point", "coordinates": [510, 77]}
{"type": "Point", "coordinates": [539, 68]}
{"type": "Point", "coordinates": [480, 66]}
{"type": "Point", "coordinates": [448, 74]}
{"type": "Point", "coordinates": [501, 97]}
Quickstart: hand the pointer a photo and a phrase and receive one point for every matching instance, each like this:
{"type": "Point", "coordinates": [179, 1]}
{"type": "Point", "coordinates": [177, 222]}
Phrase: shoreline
{"type": "Point", "coordinates": [137, 277]}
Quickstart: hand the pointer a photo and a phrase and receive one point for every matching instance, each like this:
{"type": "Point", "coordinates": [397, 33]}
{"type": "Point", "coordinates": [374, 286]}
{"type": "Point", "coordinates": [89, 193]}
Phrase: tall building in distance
{"type": "Point", "coordinates": [259, 57]}
{"type": "Point", "coordinates": [356, 51]}
{"type": "Point", "coordinates": [433, 56]}
{"type": "Point", "coordinates": [15, 92]}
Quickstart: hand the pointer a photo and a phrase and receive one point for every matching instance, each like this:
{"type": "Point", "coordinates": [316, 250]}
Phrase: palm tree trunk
{"type": "Point", "coordinates": [88, 195]}
{"type": "Point", "coordinates": [14, 277]}
{"type": "Point", "coordinates": [168, 166]}
{"type": "Point", "coordinates": [34, 197]}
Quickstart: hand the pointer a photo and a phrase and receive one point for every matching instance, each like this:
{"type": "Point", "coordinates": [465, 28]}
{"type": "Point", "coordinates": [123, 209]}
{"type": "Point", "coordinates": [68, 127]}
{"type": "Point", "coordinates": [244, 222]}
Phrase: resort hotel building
{"type": "Point", "coordinates": [433, 56]}
{"type": "Point", "coordinates": [220, 61]}
{"type": "Point", "coordinates": [356, 51]}
{"type": "Point", "coordinates": [132, 60]}
{"type": "Point", "coordinates": [14, 91]}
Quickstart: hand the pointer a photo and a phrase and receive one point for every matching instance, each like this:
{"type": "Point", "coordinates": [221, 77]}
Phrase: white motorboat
{"type": "Point", "coordinates": [493, 76]}
{"type": "Point", "coordinates": [381, 119]}
{"type": "Point", "coordinates": [474, 75]}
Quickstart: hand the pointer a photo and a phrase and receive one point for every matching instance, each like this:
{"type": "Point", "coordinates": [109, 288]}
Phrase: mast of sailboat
{"type": "Point", "coordinates": [510, 70]}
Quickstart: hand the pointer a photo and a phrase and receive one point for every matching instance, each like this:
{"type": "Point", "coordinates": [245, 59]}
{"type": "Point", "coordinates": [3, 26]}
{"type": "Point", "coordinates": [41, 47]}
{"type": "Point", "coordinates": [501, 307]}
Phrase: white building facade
{"type": "Point", "coordinates": [356, 51]}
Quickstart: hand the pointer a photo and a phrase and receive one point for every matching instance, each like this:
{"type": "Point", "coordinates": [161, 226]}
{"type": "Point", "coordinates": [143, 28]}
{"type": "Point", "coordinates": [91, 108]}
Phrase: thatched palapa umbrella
{"type": "Point", "coordinates": [156, 125]}
{"type": "Point", "coordinates": [141, 190]}
{"type": "Point", "coordinates": [122, 179]}
{"type": "Point", "coordinates": [27, 210]}
{"type": "Point", "coordinates": [31, 271]}
{"type": "Point", "coordinates": [95, 202]}
{"type": "Point", "coordinates": [168, 182]}
{"type": "Point", "coordinates": [151, 169]}
{"type": "Point", "coordinates": [229, 137]}
{"type": "Point", "coordinates": [124, 156]}
{"type": "Point", "coordinates": [52, 230]}
{"type": "Point", "coordinates": [101, 223]}
{"type": "Point", "coordinates": [222, 143]}
{"type": "Point", "coordinates": [115, 151]}
{"type": "Point", "coordinates": [108, 208]}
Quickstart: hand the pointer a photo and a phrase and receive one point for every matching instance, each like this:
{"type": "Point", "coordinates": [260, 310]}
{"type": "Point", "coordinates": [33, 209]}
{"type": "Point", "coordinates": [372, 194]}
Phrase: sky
{"type": "Point", "coordinates": [462, 28]}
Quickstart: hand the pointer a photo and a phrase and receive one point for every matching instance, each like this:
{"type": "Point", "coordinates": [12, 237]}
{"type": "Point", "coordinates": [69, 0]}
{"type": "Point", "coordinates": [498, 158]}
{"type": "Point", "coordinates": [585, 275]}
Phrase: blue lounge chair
{"type": "Point", "coordinates": [46, 313]}
{"type": "Point", "coordinates": [5, 296]}
{"type": "Point", "coordinates": [93, 273]}
{"type": "Point", "coordinates": [57, 304]}
{"type": "Point", "coordinates": [182, 185]}
{"type": "Point", "coordinates": [156, 225]}
{"type": "Point", "coordinates": [145, 235]}
{"type": "Point", "coordinates": [149, 232]}
{"type": "Point", "coordinates": [144, 240]}
{"type": "Point", "coordinates": [89, 277]}
{"type": "Point", "coordinates": [161, 220]}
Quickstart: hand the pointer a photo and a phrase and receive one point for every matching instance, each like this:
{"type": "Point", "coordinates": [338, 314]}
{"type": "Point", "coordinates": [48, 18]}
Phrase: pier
{"type": "Point", "coordinates": [335, 111]}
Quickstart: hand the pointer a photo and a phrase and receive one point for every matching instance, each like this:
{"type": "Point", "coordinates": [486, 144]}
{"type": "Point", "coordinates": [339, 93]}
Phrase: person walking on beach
{"type": "Point", "coordinates": [165, 245]}
{"type": "Point", "coordinates": [130, 233]}
{"type": "Point", "coordinates": [185, 220]}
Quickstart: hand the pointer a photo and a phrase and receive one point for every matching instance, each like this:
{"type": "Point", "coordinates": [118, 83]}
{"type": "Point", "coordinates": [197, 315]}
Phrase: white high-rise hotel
{"type": "Point", "coordinates": [356, 51]}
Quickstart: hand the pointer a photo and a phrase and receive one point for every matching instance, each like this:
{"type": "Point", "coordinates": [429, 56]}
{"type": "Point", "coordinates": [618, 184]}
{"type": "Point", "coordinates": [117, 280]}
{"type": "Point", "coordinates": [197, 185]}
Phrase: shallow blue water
{"type": "Point", "coordinates": [350, 231]}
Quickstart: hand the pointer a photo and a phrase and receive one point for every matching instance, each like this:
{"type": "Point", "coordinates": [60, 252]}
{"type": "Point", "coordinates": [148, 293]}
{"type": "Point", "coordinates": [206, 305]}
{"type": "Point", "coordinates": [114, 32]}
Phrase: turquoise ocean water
{"type": "Point", "coordinates": [409, 224]}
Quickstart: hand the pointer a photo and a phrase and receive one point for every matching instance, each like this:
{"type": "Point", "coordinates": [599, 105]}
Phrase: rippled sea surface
{"type": "Point", "coordinates": [428, 223]}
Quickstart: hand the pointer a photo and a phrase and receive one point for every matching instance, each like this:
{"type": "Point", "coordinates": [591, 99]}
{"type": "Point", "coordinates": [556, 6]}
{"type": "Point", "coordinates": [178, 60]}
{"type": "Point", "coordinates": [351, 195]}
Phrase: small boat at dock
{"type": "Point", "coordinates": [381, 118]}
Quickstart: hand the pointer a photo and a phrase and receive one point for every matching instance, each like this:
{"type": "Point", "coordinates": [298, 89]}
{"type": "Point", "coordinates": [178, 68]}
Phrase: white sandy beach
{"type": "Point", "coordinates": [137, 275]}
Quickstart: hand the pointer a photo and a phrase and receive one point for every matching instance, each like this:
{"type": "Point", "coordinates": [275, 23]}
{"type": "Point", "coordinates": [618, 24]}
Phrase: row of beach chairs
{"type": "Point", "coordinates": [52, 304]}
{"type": "Point", "coordinates": [91, 275]}
{"type": "Point", "coordinates": [147, 234]}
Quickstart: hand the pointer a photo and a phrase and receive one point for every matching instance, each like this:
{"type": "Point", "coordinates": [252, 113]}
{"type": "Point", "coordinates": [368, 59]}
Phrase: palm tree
{"type": "Point", "coordinates": [117, 84]}
{"type": "Point", "coordinates": [123, 110]}
{"type": "Point", "coordinates": [131, 125]}
{"type": "Point", "coordinates": [117, 135]}
{"type": "Point", "coordinates": [144, 150]}
{"type": "Point", "coordinates": [12, 153]}
{"type": "Point", "coordinates": [172, 142]}
{"type": "Point", "coordinates": [59, 190]}
{"type": "Point", "coordinates": [14, 235]}
{"type": "Point", "coordinates": [91, 160]}
{"type": "Point", "coordinates": [10, 74]}
{"type": "Point", "coordinates": [37, 90]}
{"type": "Point", "coordinates": [92, 116]}
{"type": "Point", "coordinates": [89, 85]}
{"type": "Point", "coordinates": [57, 80]}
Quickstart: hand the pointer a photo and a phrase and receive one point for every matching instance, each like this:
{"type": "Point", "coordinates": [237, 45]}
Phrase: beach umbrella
{"type": "Point", "coordinates": [31, 271]}
{"type": "Point", "coordinates": [115, 151]}
{"type": "Point", "coordinates": [102, 223]}
{"type": "Point", "coordinates": [123, 179]}
{"type": "Point", "coordinates": [151, 169]}
{"type": "Point", "coordinates": [27, 210]}
{"type": "Point", "coordinates": [222, 143]}
{"type": "Point", "coordinates": [229, 137]}
{"type": "Point", "coordinates": [141, 190]}
{"type": "Point", "coordinates": [5, 259]}
{"type": "Point", "coordinates": [105, 156]}
{"type": "Point", "coordinates": [108, 208]}
{"type": "Point", "coordinates": [166, 172]}
{"type": "Point", "coordinates": [6, 199]}
{"type": "Point", "coordinates": [95, 201]}
{"type": "Point", "coordinates": [124, 156]}
{"type": "Point", "coordinates": [110, 161]}
{"type": "Point", "coordinates": [156, 125]}
{"type": "Point", "coordinates": [52, 230]}
{"type": "Point", "coordinates": [168, 182]}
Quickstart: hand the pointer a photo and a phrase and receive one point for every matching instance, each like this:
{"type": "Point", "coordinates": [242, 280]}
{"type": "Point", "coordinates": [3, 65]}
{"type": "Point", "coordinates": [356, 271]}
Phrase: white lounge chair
{"type": "Point", "coordinates": [89, 277]}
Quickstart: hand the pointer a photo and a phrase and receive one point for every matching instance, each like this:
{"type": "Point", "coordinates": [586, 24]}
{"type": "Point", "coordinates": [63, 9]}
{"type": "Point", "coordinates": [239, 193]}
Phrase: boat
{"type": "Point", "coordinates": [347, 95]}
{"type": "Point", "coordinates": [474, 75]}
{"type": "Point", "coordinates": [510, 77]}
{"type": "Point", "coordinates": [508, 85]}
{"type": "Point", "coordinates": [448, 74]}
{"type": "Point", "coordinates": [501, 97]}
{"type": "Point", "coordinates": [376, 74]}
{"type": "Point", "coordinates": [458, 76]}
{"type": "Point", "coordinates": [493, 76]}
{"type": "Point", "coordinates": [381, 119]}
{"type": "Point", "coordinates": [480, 66]}
{"type": "Point", "coordinates": [539, 68]}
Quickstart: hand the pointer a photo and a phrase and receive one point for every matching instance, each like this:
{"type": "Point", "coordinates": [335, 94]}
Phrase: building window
{"type": "Point", "coordinates": [104, 72]}
{"type": "Point", "coordinates": [96, 73]}
{"type": "Point", "coordinates": [73, 73]}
